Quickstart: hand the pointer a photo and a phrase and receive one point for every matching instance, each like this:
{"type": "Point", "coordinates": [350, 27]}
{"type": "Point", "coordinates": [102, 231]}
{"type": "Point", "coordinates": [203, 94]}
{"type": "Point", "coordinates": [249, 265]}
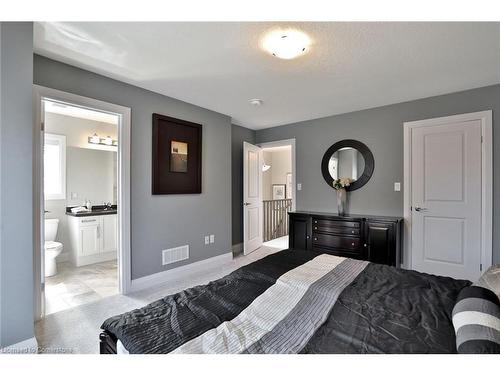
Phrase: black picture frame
{"type": "Point", "coordinates": [363, 149]}
{"type": "Point", "coordinates": [165, 180]}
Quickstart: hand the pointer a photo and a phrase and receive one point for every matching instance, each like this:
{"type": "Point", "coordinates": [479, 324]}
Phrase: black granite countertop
{"type": "Point", "coordinates": [96, 211]}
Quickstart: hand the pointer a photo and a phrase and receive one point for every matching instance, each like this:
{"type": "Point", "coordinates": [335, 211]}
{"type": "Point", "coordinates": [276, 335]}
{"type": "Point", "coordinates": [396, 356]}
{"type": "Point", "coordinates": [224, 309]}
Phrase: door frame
{"type": "Point", "coordinates": [286, 142]}
{"type": "Point", "coordinates": [486, 118]}
{"type": "Point", "coordinates": [123, 189]}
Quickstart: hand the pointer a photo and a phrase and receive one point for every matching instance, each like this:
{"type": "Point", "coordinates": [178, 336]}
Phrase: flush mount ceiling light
{"type": "Point", "coordinates": [256, 102]}
{"type": "Point", "coordinates": [286, 44]}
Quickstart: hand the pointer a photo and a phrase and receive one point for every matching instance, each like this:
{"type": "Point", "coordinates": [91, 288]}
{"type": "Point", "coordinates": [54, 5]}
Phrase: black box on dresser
{"type": "Point", "coordinates": [377, 239]}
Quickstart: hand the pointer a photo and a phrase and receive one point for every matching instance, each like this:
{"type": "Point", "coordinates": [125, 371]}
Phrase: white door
{"type": "Point", "coordinates": [446, 199]}
{"type": "Point", "coordinates": [90, 240]}
{"type": "Point", "coordinates": [108, 236]}
{"type": "Point", "coordinates": [252, 197]}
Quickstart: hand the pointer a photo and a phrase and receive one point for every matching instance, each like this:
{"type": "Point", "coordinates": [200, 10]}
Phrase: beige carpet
{"type": "Point", "coordinates": [76, 330]}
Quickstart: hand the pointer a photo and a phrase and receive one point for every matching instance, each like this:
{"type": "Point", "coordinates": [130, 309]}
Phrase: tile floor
{"type": "Point", "coordinates": [76, 330]}
{"type": "Point", "coordinates": [75, 286]}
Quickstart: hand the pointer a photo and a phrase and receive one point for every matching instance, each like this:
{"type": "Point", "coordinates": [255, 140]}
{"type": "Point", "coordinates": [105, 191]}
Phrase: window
{"type": "Point", "coordinates": [54, 162]}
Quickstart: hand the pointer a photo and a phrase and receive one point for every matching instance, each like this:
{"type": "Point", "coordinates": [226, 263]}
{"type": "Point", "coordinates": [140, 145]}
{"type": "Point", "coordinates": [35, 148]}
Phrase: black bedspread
{"type": "Point", "coordinates": [389, 310]}
{"type": "Point", "coordinates": [384, 310]}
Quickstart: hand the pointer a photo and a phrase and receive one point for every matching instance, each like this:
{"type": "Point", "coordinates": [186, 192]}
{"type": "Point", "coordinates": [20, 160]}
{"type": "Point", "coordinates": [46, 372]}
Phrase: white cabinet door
{"type": "Point", "coordinates": [108, 233]}
{"type": "Point", "coordinates": [89, 240]}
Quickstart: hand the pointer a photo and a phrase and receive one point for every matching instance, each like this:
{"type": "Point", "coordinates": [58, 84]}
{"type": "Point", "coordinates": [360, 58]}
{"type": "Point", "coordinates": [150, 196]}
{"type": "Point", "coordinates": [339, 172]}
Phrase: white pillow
{"type": "Point", "coordinates": [491, 280]}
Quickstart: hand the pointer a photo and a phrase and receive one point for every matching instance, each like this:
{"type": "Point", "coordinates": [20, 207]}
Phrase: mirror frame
{"type": "Point", "coordinates": [363, 149]}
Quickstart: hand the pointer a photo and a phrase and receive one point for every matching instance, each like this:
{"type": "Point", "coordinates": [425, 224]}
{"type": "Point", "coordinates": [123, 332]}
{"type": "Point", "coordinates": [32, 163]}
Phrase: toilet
{"type": "Point", "coordinates": [52, 248]}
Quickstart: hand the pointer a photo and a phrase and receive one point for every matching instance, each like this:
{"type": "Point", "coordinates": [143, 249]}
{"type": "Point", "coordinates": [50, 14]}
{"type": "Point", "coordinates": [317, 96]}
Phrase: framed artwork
{"type": "Point", "coordinates": [279, 191]}
{"type": "Point", "coordinates": [176, 156]}
{"type": "Point", "coordinates": [288, 186]}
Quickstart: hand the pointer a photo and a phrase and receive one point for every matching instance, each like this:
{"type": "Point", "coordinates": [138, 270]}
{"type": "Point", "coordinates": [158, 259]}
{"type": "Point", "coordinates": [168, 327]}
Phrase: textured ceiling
{"type": "Point", "coordinates": [220, 66]}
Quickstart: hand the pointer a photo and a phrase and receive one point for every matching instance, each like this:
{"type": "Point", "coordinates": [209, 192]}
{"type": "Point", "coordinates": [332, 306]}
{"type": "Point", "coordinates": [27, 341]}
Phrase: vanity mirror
{"type": "Point", "coordinates": [348, 158]}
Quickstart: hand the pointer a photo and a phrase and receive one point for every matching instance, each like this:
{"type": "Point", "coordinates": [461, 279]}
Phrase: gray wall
{"type": "Point", "coordinates": [381, 129]}
{"type": "Point", "coordinates": [238, 136]}
{"type": "Point", "coordinates": [16, 194]}
{"type": "Point", "coordinates": [164, 221]}
{"type": "Point", "coordinates": [281, 164]}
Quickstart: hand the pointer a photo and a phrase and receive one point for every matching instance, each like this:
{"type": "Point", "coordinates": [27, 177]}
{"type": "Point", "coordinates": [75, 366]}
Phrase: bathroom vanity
{"type": "Point", "coordinates": [93, 237]}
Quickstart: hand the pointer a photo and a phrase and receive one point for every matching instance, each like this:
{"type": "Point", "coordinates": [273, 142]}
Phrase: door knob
{"type": "Point", "coordinates": [246, 204]}
{"type": "Point", "coordinates": [420, 209]}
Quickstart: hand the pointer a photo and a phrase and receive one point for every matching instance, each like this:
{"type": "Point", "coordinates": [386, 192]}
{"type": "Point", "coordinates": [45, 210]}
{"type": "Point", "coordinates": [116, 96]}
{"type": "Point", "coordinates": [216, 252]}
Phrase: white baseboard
{"type": "Point", "coordinates": [238, 248]}
{"type": "Point", "coordinates": [29, 346]}
{"type": "Point", "coordinates": [183, 272]}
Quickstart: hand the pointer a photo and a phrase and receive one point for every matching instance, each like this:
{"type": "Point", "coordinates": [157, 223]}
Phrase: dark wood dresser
{"type": "Point", "coordinates": [374, 238]}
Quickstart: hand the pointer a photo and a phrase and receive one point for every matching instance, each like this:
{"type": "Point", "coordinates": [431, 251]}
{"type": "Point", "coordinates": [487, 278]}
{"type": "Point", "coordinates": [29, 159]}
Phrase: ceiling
{"type": "Point", "coordinates": [78, 112]}
{"type": "Point", "coordinates": [221, 66]}
{"type": "Point", "coordinates": [277, 148]}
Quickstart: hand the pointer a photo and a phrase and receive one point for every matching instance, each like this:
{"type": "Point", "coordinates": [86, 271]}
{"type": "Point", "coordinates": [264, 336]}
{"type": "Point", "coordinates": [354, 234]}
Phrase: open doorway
{"type": "Point", "coordinates": [277, 193]}
{"type": "Point", "coordinates": [82, 242]}
{"type": "Point", "coordinates": [268, 193]}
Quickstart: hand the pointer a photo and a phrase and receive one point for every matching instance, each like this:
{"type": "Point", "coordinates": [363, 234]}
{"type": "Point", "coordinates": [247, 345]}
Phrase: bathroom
{"type": "Point", "coordinates": [80, 195]}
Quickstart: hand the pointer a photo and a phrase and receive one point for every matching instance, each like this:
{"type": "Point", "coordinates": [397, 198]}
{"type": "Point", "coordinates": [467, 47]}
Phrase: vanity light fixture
{"type": "Point", "coordinates": [108, 141]}
{"type": "Point", "coordinates": [286, 44]}
{"type": "Point", "coordinates": [95, 139]}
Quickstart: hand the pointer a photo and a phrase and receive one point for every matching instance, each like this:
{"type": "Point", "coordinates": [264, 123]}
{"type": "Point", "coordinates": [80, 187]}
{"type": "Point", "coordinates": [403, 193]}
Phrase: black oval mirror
{"type": "Point", "coordinates": [348, 158]}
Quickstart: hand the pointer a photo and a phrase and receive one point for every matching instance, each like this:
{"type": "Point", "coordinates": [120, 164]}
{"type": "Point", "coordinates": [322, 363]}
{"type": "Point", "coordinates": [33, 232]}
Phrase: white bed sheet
{"type": "Point", "coordinates": [120, 349]}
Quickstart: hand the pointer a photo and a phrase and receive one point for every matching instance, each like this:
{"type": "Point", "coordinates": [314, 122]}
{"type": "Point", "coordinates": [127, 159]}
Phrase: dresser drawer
{"type": "Point", "coordinates": [340, 227]}
{"type": "Point", "coordinates": [352, 231]}
{"type": "Point", "coordinates": [336, 241]}
{"type": "Point", "coordinates": [336, 223]}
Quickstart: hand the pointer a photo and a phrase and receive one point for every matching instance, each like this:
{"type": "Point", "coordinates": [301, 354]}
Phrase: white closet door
{"type": "Point", "coordinates": [446, 199]}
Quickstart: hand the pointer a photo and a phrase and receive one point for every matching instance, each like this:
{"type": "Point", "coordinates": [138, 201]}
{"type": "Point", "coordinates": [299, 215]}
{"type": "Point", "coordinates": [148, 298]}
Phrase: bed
{"type": "Point", "coordinates": [296, 302]}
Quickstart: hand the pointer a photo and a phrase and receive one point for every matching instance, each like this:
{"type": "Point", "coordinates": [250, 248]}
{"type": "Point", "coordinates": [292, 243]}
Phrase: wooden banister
{"type": "Point", "coordinates": [276, 218]}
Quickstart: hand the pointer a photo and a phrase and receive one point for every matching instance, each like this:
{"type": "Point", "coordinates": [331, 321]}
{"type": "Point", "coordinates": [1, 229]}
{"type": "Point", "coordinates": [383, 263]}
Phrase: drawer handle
{"type": "Point", "coordinates": [315, 238]}
{"type": "Point", "coordinates": [315, 221]}
{"type": "Point", "coordinates": [308, 236]}
{"type": "Point", "coordinates": [352, 231]}
{"type": "Point", "coordinates": [352, 244]}
{"type": "Point", "coordinates": [365, 245]}
{"type": "Point", "coordinates": [315, 227]}
{"type": "Point", "coordinates": [88, 221]}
